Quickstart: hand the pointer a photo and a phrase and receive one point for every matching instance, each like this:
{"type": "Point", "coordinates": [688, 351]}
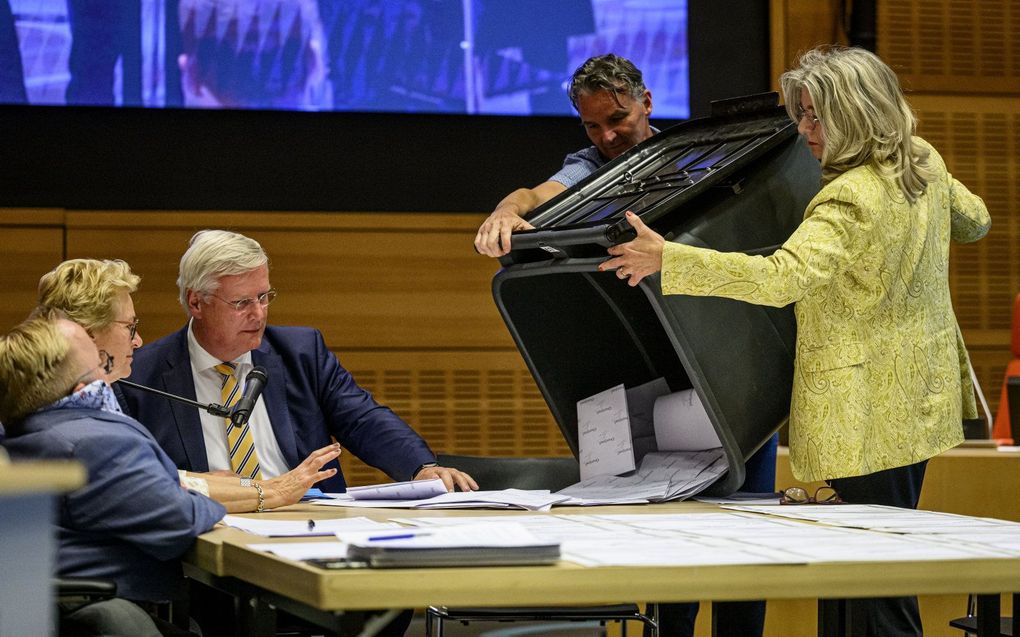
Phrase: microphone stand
{"type": "Point", "coordinates": [212, 408]}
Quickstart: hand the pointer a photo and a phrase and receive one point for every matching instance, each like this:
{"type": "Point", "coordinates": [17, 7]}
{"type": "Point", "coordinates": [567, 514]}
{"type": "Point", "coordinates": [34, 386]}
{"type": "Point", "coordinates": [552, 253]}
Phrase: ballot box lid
{"type": "Point", "coordinates": [581, 331]}
{"type": "Point", "coordinates": [656, 180]}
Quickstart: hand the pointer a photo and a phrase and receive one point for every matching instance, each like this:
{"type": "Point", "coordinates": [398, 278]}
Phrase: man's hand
{"type": "Point", "coordinates": [636, 259]}
{"type": "Point", "coordinates": [289, 487]}
{"type": "Point", "coordinates": [451, 478]}
{"type": "Point", "coordinates": [493, 238]}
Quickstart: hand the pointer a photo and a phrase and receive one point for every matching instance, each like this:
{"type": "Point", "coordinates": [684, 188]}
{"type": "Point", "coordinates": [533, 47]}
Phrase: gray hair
{"type": "Point", "coordinates": [606, 73]}
{"type": "Point", "coordinates": [865, 117]}
{"type": "Point", "coordinates": [212, 254]}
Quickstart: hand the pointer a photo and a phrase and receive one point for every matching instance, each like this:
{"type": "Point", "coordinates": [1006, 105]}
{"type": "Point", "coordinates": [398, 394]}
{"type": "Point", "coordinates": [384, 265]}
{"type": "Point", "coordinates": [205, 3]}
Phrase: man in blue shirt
{"type": "Point", "coordinates": [610, 96]}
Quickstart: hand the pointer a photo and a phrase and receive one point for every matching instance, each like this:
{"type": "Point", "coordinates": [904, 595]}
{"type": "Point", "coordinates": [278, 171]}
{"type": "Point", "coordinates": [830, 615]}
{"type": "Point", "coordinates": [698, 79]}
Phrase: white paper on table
{"type": "Point", "coordinates": [302, 528]}
{"type": "Point", "coordinates": [506, 534]}
{"type": "Point", "coordinates": [299, 551]}
{"type": "Point", "coordinates": [604, 440]}
{"type": "Point", "coordinates": [410, 490]}
{"type": "Point", "coordinates": [534, 500]}
{"type": "Point", "coordinates": [682, 424]}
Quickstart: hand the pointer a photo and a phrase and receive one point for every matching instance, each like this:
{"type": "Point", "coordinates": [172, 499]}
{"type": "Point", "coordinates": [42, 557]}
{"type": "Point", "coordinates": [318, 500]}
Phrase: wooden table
{"type": "Point", "coordinates": [275, 582]}
{"type": "Point", "coordinates": [27, 493]}
{"type": "Point", "coordinates": [980, 481]}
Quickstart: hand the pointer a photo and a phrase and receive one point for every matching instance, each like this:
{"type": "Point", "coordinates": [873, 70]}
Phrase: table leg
{"type": "Point", "coordinates": [257, 617]}
{"type": "Point", "coordinates": [833, 618]}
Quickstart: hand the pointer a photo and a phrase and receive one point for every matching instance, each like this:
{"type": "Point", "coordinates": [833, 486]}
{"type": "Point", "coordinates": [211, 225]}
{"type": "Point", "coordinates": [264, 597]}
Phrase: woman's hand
{"type": "Point", "coordinates": [289, 487]}
{"type": "Point", "coordinates": [636, 259]}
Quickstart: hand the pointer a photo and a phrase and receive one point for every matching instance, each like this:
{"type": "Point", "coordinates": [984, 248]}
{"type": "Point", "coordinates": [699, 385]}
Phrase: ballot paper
{"type": "Point", "coordinates": [410, 490]}
{"type": "Point", "coordinates": [529, 500]}
{"type": "Point", "coordinates": [682, 423]}
{"type": "Point", "coordinates": [303, 528]}
{"type": "Point", "coordinates": [641, 402]}
{"type": "Point", "coordinates": [673, 475]}
{"type": "Point", "coordinates": [603, 434]}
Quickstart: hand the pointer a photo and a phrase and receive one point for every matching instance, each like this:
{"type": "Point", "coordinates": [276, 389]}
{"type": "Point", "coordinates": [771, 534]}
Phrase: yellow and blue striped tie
{"type": "Point", "coordinates": [244, 460]}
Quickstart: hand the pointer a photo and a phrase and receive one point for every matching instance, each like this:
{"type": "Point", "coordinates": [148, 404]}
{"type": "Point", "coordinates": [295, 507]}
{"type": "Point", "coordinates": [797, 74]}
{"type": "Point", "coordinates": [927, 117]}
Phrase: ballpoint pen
{"type": "Point", "coordinates": [401, 536]}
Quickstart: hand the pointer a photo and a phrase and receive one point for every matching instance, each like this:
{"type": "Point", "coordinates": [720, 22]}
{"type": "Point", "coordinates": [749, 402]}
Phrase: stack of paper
{"type": "Point", "coordinates": [672, 475]}
{"type": "Point", "coordinates": [464, 545]}
{"type": "Point", "coordinates": [506, 499]}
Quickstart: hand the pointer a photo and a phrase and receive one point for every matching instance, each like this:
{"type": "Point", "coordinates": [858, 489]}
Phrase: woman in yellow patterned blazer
{"type": "Point", "coordinates": [881, 376]}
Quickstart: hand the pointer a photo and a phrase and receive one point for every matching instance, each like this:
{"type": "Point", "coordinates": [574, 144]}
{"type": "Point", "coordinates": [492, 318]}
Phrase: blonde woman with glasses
{"type": "Point", "coordinates": [881, 380]}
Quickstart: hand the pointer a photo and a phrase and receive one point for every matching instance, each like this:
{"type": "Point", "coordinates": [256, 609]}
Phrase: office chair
{"type": "Point", "coordinates": [529, 473]}
{"type": "Point", "coordinates": [1003, 429]}
{"type": "Point", "coordinates": [985, 620]}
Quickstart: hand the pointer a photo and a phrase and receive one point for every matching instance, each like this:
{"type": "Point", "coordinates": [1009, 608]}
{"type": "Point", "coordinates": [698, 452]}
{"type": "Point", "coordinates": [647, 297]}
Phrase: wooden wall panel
{"type": "Point", "coordinates": [31, 243]}
{"type": "Point", "coordinates": [367, 281]}
{"type": "Point", "coordinates": [476, 403]}
{"type": "Point", "coordinates": [979, 137]}
{"type": "Point", "coordinates": [800, 25]}
{"type": "Point", "coordinates": [401, 298]}
{"type": "Point", "coordinates": [952, 46]}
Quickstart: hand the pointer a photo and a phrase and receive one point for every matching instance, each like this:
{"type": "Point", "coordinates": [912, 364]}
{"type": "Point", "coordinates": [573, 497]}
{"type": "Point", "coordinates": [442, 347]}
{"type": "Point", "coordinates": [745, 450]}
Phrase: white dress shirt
{"type": "Point", "coordinates": [208, 382]}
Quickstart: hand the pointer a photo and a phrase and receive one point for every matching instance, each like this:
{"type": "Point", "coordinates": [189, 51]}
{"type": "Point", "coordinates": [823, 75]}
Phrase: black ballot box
{"type": "Point", "coordinates": [738, 180]}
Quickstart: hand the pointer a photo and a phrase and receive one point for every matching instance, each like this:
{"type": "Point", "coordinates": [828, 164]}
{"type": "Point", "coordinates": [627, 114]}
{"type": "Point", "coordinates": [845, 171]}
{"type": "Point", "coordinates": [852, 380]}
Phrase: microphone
{"type": "Point", "coordinates": [254, 382]}
{"type": "Point", "coordinates": [212, 408]}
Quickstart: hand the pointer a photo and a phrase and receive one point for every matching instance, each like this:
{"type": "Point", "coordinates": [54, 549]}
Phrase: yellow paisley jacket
{"type": "Point", "coordinates": [881, 376]}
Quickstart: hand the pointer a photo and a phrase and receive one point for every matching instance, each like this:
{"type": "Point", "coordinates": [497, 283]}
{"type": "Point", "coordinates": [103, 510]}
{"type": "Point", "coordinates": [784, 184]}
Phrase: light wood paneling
{"type": "Point", "coordinates": [475, 403]}
{"type": "Point", "coordinates": [402, 298]}
{"type": "Point", "coordinates": [31, 243]}
{"type": "Point", "coordinates": [952, 46]}
{"type": "Point", "coordinates": [366, 280]}
{"type": "Point", "coordinates": [800, 25]}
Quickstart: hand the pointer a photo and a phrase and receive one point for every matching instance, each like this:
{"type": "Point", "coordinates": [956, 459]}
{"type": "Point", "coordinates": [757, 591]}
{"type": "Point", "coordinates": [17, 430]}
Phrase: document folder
{"type": "Point", "coordinates": [739, 180]}
{"type": "Point", "coordinates": [396, 557]}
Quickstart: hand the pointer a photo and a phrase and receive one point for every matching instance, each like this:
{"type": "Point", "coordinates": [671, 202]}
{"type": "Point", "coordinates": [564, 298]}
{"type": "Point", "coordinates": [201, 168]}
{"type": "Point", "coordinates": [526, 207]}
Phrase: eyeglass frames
{"type": "Point", "coordinates": [132, 327]}
{"type": "Point", "coordinates": [243, 305]}
{"type": "Point", "coordinates": [799, 495]}
{"type": "Point", "coordinates": [812, 119]}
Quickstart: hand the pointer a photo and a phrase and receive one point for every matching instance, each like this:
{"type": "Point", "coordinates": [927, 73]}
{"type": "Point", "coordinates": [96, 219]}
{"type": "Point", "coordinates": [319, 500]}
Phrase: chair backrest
{"type": "Point", "coordinates": [1002, 429]}
{"type": "Point", "coordinates": [503, 472]}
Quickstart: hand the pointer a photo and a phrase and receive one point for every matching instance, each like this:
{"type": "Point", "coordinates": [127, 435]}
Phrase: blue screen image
{"type": "Point", "coordinates": [491, 57]}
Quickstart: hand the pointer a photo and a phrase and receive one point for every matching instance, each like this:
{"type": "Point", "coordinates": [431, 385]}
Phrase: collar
{"type": "Point", "coordinates": [202, 360]}
{"type": "Point", "coordinates": [95, 395]}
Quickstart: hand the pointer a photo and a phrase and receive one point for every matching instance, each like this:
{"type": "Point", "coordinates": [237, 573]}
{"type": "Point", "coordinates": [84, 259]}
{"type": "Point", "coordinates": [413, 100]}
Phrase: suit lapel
{"type": "Point", "coordinates": [177, 379]}
{"type": "Point", "coordinates": [275, 398]}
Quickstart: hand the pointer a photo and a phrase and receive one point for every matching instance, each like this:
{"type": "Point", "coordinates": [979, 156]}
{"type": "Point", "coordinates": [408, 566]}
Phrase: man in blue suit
{"type": "Point", "coordinates": [225, 290]}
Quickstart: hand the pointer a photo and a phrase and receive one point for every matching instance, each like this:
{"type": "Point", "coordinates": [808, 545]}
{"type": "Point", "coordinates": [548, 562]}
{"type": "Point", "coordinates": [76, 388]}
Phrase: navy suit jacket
{"type": "Point", "coordinates": [309, 397]}
{"type": "Point", "coordinates": [132, 520]}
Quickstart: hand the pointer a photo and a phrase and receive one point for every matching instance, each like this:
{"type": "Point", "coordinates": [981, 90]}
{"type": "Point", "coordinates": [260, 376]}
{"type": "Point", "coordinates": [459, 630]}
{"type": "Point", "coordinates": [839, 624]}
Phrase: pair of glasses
{"type": "Point", "coordinates": [132, 328]}
{"type": "Point", "coordinates": [799, 495]}
{"type": "Point", "coordinates": [243, 305]}
{"type": "Point", "coordinates": [105, 364]}
{"type": "Point", "coordinates": [811, 117]}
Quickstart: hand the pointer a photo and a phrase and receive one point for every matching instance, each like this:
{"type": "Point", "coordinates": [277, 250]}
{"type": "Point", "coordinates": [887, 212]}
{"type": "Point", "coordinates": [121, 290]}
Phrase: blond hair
{"type": "Point", "coordinates": [212, 254]}
{"type": "Point", "coordinates": [86, 290]}
{"type": "Point", "coordinates": [36, 368]}
{"type": "Point", "coordinates": [866, 119]}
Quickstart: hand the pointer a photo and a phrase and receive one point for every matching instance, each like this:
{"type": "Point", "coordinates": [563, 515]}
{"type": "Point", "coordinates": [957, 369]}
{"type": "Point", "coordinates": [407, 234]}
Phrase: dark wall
{"type": "Point", "coordinates": [260, 160]}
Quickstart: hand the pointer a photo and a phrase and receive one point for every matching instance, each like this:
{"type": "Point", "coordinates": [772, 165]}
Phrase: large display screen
{"type": "Point", "coordinates": [496, 57]}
